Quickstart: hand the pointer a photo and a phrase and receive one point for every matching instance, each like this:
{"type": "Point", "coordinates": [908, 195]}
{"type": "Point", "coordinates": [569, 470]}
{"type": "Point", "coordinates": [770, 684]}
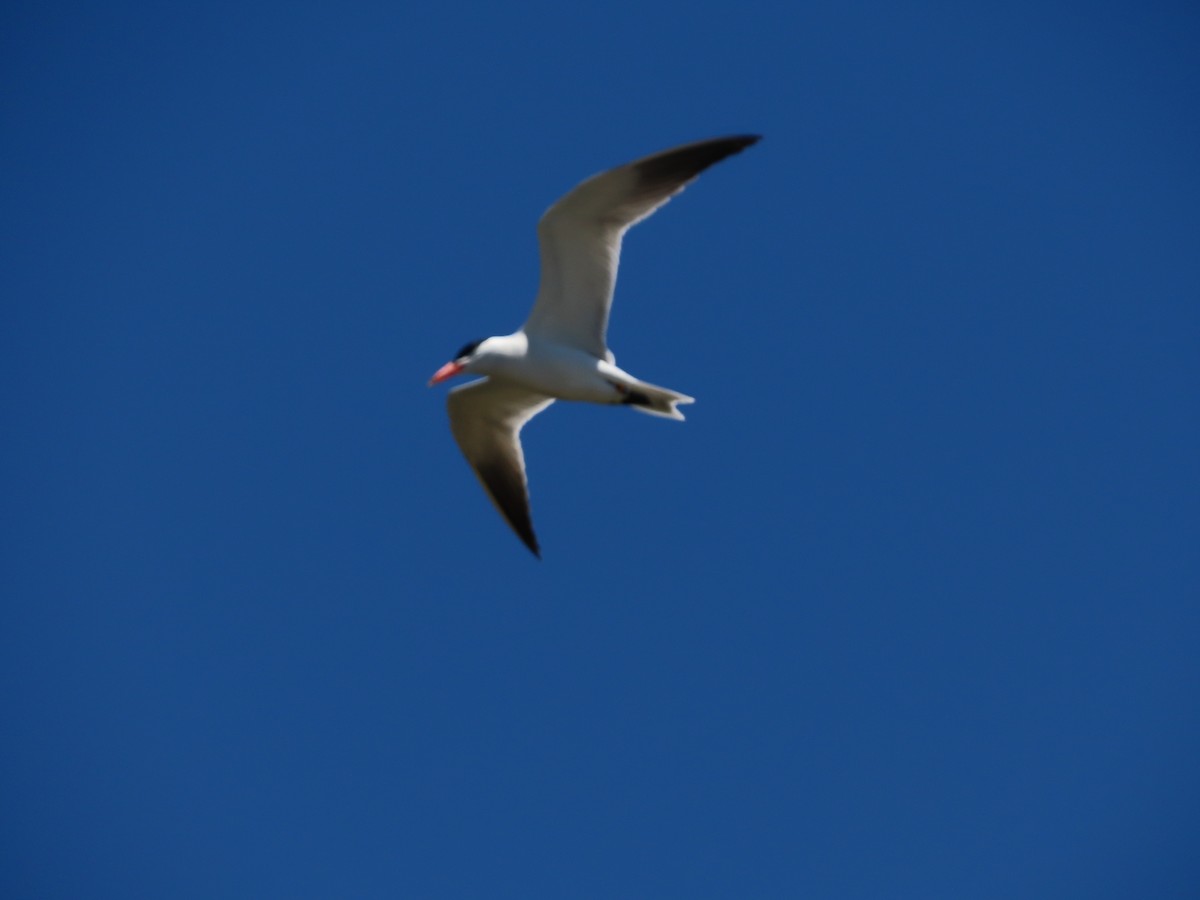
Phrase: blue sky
{"type": "Point", "coordinates": [906, 608]}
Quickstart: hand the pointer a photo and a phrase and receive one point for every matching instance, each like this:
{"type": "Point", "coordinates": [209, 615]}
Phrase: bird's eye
{"type": "Point", "coordinates": [467, 349]}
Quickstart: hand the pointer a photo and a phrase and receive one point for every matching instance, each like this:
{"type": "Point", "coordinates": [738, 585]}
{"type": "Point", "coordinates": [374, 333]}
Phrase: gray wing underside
{"type": "Point", "coordinates": [486, 418]}
{"type": "Point", "coordinates": [580, 238]}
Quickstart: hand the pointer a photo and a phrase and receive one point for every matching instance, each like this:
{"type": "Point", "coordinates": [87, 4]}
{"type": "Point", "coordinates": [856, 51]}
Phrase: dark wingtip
{"type": "Point", "coordinates": [682, 164]}
{"type": "Point", "coordinates": [530, 540]}
{"type": "Point", "coordinates": [505, 484]}
{"type": "Point", "coordinates": [524, 531]}
{"type": "Point", "coordinates": [734, 143]}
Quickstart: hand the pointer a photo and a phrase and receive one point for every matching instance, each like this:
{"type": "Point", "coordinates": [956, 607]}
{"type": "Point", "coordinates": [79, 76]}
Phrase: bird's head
{"type": "Point", "coordinates": [460, 363]}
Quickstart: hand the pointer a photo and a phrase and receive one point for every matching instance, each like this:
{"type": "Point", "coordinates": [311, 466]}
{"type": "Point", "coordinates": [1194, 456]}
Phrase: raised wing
{"type": "Point", "coordinates": [486, 418]}
{"type": "Point", "coordinates": [580, 238]}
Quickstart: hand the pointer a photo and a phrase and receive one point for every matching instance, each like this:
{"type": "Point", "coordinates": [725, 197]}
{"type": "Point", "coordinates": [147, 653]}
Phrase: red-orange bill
{"type": "Point", "coordinates": [449, 370]}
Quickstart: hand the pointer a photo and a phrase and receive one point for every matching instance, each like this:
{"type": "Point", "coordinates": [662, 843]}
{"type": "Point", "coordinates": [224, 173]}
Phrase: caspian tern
{"type": "Point", "coordinates": [560, 352]}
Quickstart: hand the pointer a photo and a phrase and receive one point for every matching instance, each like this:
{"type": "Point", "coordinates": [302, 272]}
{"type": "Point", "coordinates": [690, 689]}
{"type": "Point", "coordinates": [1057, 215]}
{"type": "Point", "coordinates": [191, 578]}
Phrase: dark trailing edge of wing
{"type": "Point", "coordinates": [667, 171]}
{"type": "Point", "coordinates": [506, 484]}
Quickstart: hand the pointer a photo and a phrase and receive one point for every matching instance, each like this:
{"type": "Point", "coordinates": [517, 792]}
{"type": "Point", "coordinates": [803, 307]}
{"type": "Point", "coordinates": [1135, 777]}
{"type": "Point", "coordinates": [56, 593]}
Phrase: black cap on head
{"type": "Point", "coordinates": [468, 349]}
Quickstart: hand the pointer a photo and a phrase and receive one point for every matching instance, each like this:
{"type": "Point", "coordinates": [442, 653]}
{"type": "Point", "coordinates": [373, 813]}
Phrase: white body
{"type": "Point", "coordinates": [552, 369]}
{"type": "Point", "coordinates": [561, 352]}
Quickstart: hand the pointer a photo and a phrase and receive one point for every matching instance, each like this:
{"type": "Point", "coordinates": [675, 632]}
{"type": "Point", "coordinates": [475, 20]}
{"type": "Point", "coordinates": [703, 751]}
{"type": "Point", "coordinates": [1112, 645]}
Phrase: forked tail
{"type": "Point", "coordinates": [654, 400]}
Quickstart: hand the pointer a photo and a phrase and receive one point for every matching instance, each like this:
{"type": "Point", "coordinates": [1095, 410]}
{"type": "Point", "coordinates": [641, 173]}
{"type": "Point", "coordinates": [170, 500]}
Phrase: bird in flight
{"type": "Point", "coordinates": [560, 353]}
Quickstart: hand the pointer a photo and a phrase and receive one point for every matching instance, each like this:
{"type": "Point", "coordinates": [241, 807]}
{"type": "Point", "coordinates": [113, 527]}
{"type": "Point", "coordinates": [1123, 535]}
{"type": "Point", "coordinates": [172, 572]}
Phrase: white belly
{"type": "Point", "coordinates": [565, 373]}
